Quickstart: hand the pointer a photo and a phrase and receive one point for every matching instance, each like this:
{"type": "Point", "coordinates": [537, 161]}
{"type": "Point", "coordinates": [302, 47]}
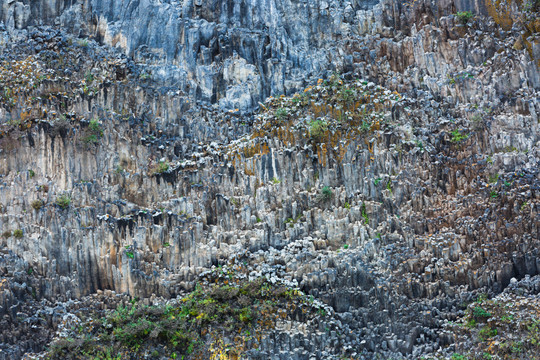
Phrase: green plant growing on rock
{"type": "Point", "coordinates": [464, 16]}
{"type": "Point", "coordinates": [457, 136]}
{"type": "Point", "coordinates": [275, 180]}
{"type": "Point", "coordinates": [93, 133]}
{"type": "Point", "coordinates": [281, 114]}
{"type": "Point", "coordinates": [88, 77]}
{"type": "Point", "coordinates": [365, 126]}
{"type": "Point", "coordinates": [159, 168]}
{"type": "Point", "coordinates": [486, 333]}
{"type": "Point", "coordinates": [317, 129]}
{"type": "Point", "coordinates": [493, 178]}
{"type": "Point", "coordinates": [31, 173]}
{"type": "Point", "coordinates": [325, 194]}
{"type": "Point", "coordinates": [364, 214]}
{"type": "Point", "coordinates": [95, 127]}
{"type": "Point", "coordinates": [18, 233]}
{"type": "Point", "coordinates": [37, 204]}
{"type": "Point", "coordinates": [63, 201]}
{"type": "Point", "coordinates": [479, 313]}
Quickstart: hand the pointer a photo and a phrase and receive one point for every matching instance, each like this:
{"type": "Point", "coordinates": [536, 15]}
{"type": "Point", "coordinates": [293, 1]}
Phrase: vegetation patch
{"type": "Point", "coordinates": [506, 327]}
{"type": "Point", "coordinates": [464, 16]}
{"type": "Point", "coordinates": [159, 168]}
{"type": "Point", "coordinates": [328, 115]}
{"type": "Point", "coordinates": [224, 317]}
{"type": "Point", "coordinates": [63, 201]}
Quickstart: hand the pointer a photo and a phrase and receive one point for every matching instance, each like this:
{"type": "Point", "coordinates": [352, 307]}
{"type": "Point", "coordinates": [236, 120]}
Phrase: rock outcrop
{"type": "Point", "coordinates": [395, 179]}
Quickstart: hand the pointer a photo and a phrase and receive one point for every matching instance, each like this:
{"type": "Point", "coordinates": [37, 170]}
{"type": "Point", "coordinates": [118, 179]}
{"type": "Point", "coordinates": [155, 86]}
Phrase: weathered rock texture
{"type": "Point", "coordinates": [434, 201]}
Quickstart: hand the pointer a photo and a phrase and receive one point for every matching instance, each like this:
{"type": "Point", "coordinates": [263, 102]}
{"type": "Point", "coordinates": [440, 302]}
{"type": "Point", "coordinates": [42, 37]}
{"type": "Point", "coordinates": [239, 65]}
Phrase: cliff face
{"type": "Point", "coordinates": [133, 159]}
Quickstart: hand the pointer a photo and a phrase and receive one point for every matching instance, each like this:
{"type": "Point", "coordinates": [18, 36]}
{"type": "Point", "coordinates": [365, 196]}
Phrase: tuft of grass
{"type": "Point", "coordinates": [281, 114]}
{"type": "Point", "coordinates": [364, 214]}
{"type": "Point", "coordinates": [275, 180]}
{"type": "Point", "coordinates": [458, 137]}
{"type": "Point", "coordinates": [487, 333]}
{"type": "Point", "coordinates": [82, 42]}
{"type": "Point", "coordinates": [18, 234]}
{"type": "Point", "coordinates": [63, 201]}
{"type": "Point", "coordinates": [325, 194]}
{"type": "Point", "coordinates": [159, 168]}
{"type": "Point", "coordinates": [37, 204]}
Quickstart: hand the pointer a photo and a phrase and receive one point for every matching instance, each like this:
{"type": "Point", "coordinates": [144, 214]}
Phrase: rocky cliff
{"type": "Point", "coordinates": [377, 163]}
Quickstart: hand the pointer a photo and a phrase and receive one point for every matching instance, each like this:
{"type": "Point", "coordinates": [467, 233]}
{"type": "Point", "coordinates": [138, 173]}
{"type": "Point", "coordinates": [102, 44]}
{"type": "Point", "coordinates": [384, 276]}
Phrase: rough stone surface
{"type": "Point", "coordinates": [436, 204]}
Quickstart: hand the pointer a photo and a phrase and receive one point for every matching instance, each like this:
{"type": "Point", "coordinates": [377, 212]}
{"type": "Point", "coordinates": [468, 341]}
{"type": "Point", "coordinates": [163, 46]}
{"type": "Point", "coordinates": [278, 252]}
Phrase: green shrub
{"type": "Point", "coordinates": [325, 194]}
{"type": "Point", "coordinates": [88, 77]}
{"type": "Point", "coordinates": [93, 133]}
{"type": "Point", "coordinates": [464, 16]}
{"type": "Point", "coordinates": [478, 313]}
{"type": "Point", "coordinates": [18, 233]}
{"type": "Point", "coordinates": [487, 332]}
{"type": "Point", "coordinates": [317, 129]}
{"type": "Point", "coordinates": [159, 168]}
{"type": "Point", "coordinates": [37, 204]}
{"type": "Point", "coordinates": [458, 137]}
{"type": "Point", "coordinates": [63, 201]}
{"type": "Point", "coordinates": [281, 114]}
{"type": "Point", "coordinates": [364, 214]}
{"type": "Point", "coordinates": [95, 127]}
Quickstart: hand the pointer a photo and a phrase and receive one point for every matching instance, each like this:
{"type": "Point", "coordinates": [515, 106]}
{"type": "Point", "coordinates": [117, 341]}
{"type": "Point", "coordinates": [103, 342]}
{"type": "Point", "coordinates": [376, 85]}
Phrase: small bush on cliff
{"type": "Point", "coordinates": [464, 16]}
{"type": "Point", "coordinates": [317, 129]}
{"type": "Point", "coordinates": [159, 168]}
{"type": "Point", "coordinates": [93, 133]}
{"type": "Point", "coordinates": [18, 233]}
{"type": "Point", "coordinates": [63, 201]}
{"type": "Point", "coordinates": [37, 204]}
{"type": "Point", "coordinates": [458, 137]}
{"type": "Point", "coordinates": [325, 194]}
{"type": "Point", "coordinates": [281, 114]}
